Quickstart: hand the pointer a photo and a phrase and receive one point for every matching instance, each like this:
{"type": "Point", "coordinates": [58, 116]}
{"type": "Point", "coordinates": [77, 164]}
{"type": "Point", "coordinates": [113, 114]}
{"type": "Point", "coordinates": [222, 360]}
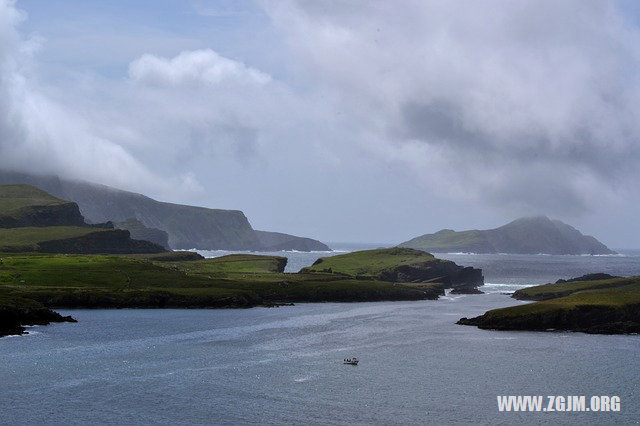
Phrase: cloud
{"type": "Point", "coordinates": [517, 103]}
{"type": "Point", "coordinates": [194, 68]}
{"type": "Point", "coordinates": [43, 136]}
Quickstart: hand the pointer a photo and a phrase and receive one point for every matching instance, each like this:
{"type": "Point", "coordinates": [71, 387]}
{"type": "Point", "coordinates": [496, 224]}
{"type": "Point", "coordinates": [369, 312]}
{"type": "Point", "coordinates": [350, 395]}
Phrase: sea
{"type": "Point", "coordinates": [277, 366]}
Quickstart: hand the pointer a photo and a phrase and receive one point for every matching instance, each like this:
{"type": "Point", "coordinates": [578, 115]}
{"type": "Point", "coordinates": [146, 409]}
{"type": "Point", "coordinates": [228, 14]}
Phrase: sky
{"type": "Point", "coordinates": [358, 120]}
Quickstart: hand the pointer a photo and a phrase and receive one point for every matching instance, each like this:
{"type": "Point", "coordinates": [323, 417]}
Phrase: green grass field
{"type": "Point", "coordinates": [551, 291]}
{"type": "Point", "coordinates": [370, 263]}
{"type": "Point", "coordinates": [154, 281]}
{"type": "Point", "coordinates": [16, 197]}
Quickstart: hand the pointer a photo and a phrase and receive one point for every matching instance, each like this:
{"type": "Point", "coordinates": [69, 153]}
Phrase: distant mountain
{"type": "Point", "coordinates": [528, 235]}
{"type": "Point", "coordinates": [187, 226]}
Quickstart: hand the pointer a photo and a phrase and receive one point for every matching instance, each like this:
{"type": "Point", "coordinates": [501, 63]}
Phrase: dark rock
{"type": "Point", "coordinates": [18, 312]}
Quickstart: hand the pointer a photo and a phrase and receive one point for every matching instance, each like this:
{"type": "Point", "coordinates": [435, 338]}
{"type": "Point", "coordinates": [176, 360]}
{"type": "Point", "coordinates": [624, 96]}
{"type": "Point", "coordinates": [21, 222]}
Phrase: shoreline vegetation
{"type": "Point", "coordinates": [596, 304]}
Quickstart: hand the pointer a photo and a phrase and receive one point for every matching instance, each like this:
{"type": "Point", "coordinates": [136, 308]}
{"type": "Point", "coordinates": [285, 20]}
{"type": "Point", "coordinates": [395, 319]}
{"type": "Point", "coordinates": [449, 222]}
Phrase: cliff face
{"type": "Point", "coordinates": [532, 235]}
{"type": "Point", "coordinates": [187, 226]}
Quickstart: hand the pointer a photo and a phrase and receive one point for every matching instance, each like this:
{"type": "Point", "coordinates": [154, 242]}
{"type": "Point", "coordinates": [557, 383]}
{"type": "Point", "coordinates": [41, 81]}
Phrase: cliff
{"type": "Point", "coordinates": [187, 226]}
{"type": "Point", "coordinates": [530, 235]}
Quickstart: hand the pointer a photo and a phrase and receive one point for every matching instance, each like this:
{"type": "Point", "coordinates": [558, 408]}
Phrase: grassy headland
{"type": "Point", "coordinates": [604, 306]}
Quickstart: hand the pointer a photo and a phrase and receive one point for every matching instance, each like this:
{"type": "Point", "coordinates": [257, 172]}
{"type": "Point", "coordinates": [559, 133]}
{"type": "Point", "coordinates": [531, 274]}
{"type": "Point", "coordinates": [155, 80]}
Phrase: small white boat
{"type": "Point", "coordinates": [351, 361]}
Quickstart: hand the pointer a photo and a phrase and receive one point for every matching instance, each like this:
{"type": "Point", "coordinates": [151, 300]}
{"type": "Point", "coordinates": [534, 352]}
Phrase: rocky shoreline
{"type": "Point", "coordinates": [16, 313]}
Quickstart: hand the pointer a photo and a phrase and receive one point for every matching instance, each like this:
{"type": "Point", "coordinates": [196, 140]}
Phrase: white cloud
{"type": "Point", "coordinates": [194, 68]}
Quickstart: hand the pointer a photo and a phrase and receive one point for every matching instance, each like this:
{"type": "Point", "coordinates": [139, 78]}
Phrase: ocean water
{"type": "Point", "coordinates": [284, 365]}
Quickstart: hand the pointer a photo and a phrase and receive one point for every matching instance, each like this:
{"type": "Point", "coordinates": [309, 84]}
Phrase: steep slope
{"type": "Point", "coordinates": [530, 235]}
{"type": "Point", "coordinates": [187, 226]}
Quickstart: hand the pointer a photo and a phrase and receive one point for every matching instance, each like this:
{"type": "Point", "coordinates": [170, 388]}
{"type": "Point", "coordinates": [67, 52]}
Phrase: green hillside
{"type": "Point", "coordinates": [606, 306]}
{"type": "Point", "coordinates": [370, 263]}
{"type": "Point", "coordinates": [13, 198]}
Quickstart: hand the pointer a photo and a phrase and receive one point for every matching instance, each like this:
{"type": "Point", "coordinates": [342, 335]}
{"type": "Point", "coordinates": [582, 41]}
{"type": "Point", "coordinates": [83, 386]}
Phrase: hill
{"type": "Point", "coordinates": [187, 226]}
{"type": "Point", "coordinates": [400, 265]}
{"type": "Point", "coordinates": [529, 235]}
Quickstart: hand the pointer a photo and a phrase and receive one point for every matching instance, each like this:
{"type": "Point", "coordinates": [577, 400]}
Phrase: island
{"type": "Point", "coordinates": [528, 235]}
{"type": "Point", "coordinates": [587, 304]}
